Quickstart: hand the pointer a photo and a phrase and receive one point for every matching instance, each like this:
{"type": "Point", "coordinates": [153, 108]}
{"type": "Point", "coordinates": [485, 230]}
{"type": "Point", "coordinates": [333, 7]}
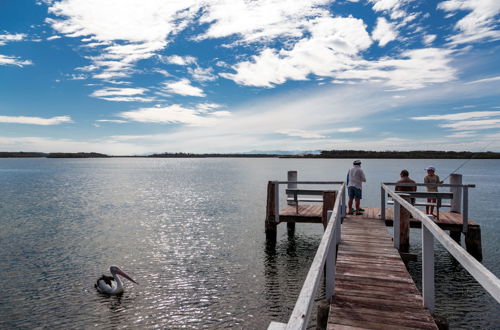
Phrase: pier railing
{"type": "Point", "coordinates": [459, 201]}
{"type": "Point", "coordinates": [431, 231]}
{"type": "Point", "coordinates": [325, 255]}
{"type": "Point", "coordinates": [293, 184]}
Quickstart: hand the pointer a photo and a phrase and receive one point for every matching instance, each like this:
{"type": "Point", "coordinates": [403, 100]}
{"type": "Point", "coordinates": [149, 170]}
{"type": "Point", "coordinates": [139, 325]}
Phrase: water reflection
{"type": "Point", "coordinates": [191, 231]}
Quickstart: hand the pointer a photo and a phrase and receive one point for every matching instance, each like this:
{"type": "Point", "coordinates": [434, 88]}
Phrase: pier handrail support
{"type": "Point", "coordinates": [325, 254]}
{"type": "Point", "coordinates": [431, 231]}
{"type": "Point", "coordinates": [464, 188]}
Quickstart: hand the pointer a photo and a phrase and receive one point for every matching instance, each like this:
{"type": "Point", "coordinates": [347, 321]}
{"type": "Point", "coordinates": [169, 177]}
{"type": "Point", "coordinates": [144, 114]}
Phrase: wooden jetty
{"type": "Point", "coordinates": [373, 289]}
{"type": "Point", "coordinates": [298, 209]}
{"type": "Point", "coordinates": [366, 283]}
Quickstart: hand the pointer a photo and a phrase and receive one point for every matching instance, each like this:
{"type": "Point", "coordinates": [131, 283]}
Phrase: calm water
{"type": "Point", "coordinates": [191, 232]}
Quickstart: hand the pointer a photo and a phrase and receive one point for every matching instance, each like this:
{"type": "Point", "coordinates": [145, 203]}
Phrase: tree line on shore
{"type": "Point", "coordinates": [427, 154]}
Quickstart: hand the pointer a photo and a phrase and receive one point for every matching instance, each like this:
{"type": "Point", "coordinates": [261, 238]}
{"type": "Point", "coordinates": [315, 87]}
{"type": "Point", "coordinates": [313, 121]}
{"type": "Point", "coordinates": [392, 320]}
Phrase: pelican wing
{"type": "Point", "coordinates": [106, 284]}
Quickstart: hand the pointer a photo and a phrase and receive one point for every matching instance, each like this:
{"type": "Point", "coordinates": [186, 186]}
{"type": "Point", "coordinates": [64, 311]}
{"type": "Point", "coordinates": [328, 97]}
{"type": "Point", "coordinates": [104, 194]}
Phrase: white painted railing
{"type": "Point", "coordinates": [325, 254]}
{"type": "Point", "coordinates": [295, 183]}
{"type": "Point", "coordinates": [459, 203]}
{"type": "Point", "coordinates": [431, 231]}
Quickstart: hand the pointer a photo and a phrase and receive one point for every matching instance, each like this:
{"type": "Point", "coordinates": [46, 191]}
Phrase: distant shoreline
{"type": "Point", "coordinates": [337, 154]}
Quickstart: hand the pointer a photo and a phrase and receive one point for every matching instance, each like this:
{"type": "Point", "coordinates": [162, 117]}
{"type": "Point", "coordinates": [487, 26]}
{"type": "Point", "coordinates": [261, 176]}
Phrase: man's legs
{"type": "Point", "coordinates": [349, 204]}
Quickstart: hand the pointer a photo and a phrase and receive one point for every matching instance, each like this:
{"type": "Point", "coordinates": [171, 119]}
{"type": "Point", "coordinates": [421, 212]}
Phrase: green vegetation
{"type": "Point", "coordinates": [76, 155]}
{"type": "Point", "coordinates": [422, 154]}
{"type": "Point", "coordinates": [22, 154]}
{"type": "Point", "coordinates": [427, 154]}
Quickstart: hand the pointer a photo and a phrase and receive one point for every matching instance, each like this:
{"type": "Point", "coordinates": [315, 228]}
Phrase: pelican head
{"type": "Point", "coordinates": [112, 284]}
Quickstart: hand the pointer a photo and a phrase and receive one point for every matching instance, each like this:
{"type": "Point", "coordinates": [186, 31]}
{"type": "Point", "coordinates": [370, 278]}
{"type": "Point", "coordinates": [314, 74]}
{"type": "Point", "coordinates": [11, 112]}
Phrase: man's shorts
{"type": "Point", "coordinates": [354, 192]}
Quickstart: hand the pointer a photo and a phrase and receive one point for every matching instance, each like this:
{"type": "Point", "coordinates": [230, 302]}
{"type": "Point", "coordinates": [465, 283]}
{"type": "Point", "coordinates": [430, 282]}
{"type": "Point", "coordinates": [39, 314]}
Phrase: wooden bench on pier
{"type": "Point", "coordinates": [438, 196]}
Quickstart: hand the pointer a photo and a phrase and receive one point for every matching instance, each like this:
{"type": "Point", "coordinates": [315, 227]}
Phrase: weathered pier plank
{"type": "Point", "coordinates": [373, 289]}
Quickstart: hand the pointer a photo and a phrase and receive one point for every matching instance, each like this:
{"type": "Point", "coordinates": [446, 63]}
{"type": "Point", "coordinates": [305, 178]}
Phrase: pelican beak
{"type": "Point", "coordinates": [122, 273]}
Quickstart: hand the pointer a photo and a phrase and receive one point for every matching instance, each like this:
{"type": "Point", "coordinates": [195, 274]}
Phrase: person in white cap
{"type": "Point", "coordinates": [355, 178]}
{"type": "Point", "coordinates": [431, 177]}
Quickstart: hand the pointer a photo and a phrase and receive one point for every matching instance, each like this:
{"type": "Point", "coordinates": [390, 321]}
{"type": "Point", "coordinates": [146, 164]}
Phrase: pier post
{"type": "Point", "coordinates": [270, 223]}
{"type": "Point", "coordinates": [456, 202]}
{"type": "Point", "coordinates": [404, 227]}
{"type": "Point", "coordinates": [382, 203]}
{"type": "Point", "coordinates": [292, 176]}
{"type": "Point", "coordinates": [428, 268]}
{"type": "Point", "coordinates": [473, 242]}
{"type": "Point", "coordinates": [328, 204]}
{"type": "Point", "coordinates": [395, 226]}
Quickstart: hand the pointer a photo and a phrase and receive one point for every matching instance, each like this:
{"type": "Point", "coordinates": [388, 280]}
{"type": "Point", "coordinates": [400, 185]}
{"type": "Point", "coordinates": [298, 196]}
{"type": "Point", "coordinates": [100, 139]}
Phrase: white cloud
{"type": "Point", "coordinates": [5, 38]}
{"type": "Point", "coordinates": [485, 80]}
{"type": "Point", "coordinates": [384, 32]}
{"type": "Point", "coordinates": [460, 116]}
{"type": "Point", "coordinates": [414, 69]}
{"type": "Point", "coordinates": [54, 37]}
{"type": "Point", "coordinates": [461, 135]}
{"type": "Point", "coordinates": [178, 60]}
{"type": "Point", "coordinates": [13, 60]}
{"type": "Point", "coordinates": [301, 133]}
{"type": "Point", "coordinates": [124, 31]}
{"type": "Point", "coordinates": [171, 114]}
{"type": "Point", "coordinates": [473, 125]}
{"type": "Point", "coordinates": [183, 87]}
{"type": "Point", "coordinates": [35, 120]}
{"type": "Point", "coordinates": [479, 24]}
{"type": "Point", "coordinates": [333, 45]}
{"type": "Point", "coordinates": [256, 21]}
{"type": "Point", "coordinates": [429, 39]}
{"type": "Point", "coordinates": [118, 91]}
{"type": "Point", "coordinates": [122, 94]}
{"type": "Point", "coordinates": [201, 74]}
{"type": "Point", "coordinates": [393, 7]}
{"type": "Point", "coordinates": [118, 121]}
{"type": "Point", "coordinates": [349, 129]}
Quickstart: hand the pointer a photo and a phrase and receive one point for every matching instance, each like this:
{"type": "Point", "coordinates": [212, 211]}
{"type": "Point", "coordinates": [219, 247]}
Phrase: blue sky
{"type": "Point", "coordinates": [138, 77]}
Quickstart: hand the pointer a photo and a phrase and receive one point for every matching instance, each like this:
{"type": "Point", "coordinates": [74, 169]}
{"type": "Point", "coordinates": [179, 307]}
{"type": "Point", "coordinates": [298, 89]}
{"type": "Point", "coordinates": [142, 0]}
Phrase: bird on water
{"type": "Point", "coordinates": [112, 285]}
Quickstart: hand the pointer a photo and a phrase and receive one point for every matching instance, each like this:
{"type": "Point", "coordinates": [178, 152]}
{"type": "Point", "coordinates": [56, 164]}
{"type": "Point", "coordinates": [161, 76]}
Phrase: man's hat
{"type": "Point", "coordinates": [430, 168]}
{"type": "Point", "coordinates": [356, 162]}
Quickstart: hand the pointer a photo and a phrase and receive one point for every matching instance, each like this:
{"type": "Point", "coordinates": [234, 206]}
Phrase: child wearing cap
{"type": "Point", "coordinates": [431, 177]}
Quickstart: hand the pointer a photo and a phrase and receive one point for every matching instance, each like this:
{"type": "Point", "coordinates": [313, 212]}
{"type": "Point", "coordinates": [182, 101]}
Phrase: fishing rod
{"type": "Point", "coordinates": [467, 160]}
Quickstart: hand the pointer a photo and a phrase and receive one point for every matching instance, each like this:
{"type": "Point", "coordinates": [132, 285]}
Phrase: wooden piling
{"type": "Point", "coordinates": [328, 204]}
{"type": "Point", "coordinates": [322, 315]}
{"type": "Point", "coordinates": [473, 242]}
{"type": "Point", "coordinates": [456, 202]}
{"type": "Point", "coordinates": [404, 228]}
{"type": "Point", "coordinates": [456, 235]}
{"type": "Point", "coordinates": [292, 176]}
{"type": "Point", "coordinates": [270, 222]}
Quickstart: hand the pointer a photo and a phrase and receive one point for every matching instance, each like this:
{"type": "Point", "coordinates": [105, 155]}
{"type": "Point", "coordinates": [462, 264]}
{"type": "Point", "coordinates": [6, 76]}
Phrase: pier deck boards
{"type": "Point", "coordinates": [307, 213]}
{"type": "Point", "coordinates": [373, 289]}
{"type": "Point", "coordinates": [312, 213]}
{"type": "Point", "coordinates": [447, 220]}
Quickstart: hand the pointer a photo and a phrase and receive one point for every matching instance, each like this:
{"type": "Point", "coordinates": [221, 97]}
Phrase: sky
{"type": "Point", "coordinates": [134, 77]}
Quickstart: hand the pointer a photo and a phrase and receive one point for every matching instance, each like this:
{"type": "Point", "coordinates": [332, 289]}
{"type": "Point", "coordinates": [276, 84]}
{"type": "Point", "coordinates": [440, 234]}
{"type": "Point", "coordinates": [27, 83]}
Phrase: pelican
{"type": "Point", "coordinates": [112, 284]}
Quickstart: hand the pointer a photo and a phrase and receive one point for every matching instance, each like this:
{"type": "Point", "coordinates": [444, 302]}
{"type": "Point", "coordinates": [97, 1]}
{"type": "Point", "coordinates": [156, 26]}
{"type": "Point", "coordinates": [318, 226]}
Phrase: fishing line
{"type": "Point", "coordinates": [468, 160]}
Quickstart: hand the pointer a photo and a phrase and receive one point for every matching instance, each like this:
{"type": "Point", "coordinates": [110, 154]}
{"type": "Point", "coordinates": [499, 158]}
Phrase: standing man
{"type": "Point", "coordinates": [355, 178]}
